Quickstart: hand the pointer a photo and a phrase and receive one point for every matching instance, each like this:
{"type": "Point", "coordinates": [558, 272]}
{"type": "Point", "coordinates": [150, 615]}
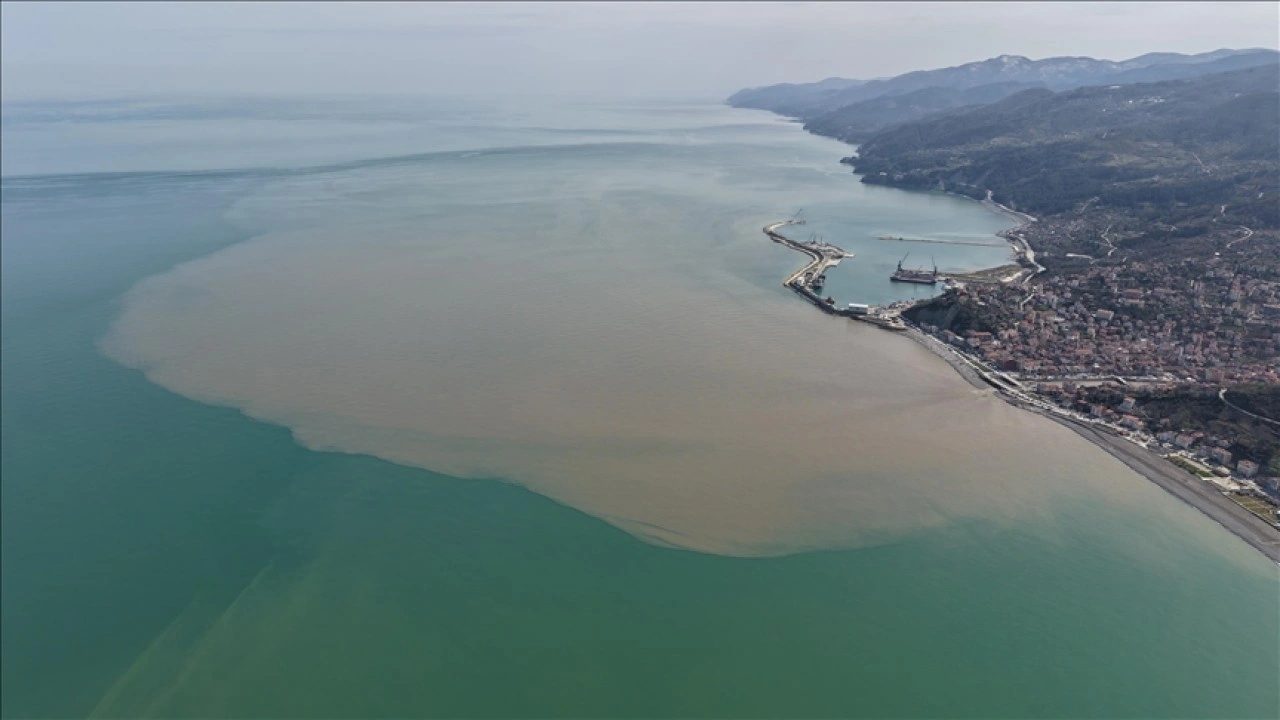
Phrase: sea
{"type": "Point", "coordinates": [497, 407]}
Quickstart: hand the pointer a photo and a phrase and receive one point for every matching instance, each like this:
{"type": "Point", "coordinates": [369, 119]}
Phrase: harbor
{"type": "Point", "coordinates": [1250, 526]}
{"type": "Point", "coordinates": [808, 281]}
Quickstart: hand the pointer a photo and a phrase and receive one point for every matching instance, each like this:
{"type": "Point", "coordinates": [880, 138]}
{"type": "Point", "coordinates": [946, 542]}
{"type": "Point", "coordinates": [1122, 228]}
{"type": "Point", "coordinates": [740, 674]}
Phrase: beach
{"type": "Point", "coordinates": [1186, 487]}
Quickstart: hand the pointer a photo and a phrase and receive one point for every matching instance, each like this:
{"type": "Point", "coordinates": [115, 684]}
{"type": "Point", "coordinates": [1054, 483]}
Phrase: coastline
{"type": "Point", "coordinates": [1022, 218]}
{"type": "Point", "coordinates": [1192, 490]}
{"type": "Point", "coordinates": [1021, 248]}
{"type": "Point", "coordinates": [1172, 479]}
{"type": "Point", "coordinates": [1186, 487]}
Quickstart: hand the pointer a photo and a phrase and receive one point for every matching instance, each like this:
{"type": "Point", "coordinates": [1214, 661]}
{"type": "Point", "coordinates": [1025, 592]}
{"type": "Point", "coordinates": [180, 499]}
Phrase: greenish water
{"type": "Point", "coordinates": [172, 558]}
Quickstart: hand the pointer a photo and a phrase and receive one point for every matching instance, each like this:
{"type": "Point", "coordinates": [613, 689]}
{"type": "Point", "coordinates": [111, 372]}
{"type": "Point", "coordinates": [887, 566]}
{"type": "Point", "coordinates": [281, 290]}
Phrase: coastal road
{"type": "Point", "coordinates": [1222, 395]}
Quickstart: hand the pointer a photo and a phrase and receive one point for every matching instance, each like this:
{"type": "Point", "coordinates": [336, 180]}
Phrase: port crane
{"type": "Point", "coordinates": [915, 276]}
{"type": "Point", "coordinates": [931, 259]}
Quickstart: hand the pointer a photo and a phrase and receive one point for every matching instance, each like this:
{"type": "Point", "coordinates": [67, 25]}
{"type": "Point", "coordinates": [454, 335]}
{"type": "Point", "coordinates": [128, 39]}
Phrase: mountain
{"type": "Point", "coordinates": [1177, 153]}
{"type": "Point", "coordinates": [1190, 67]}
{"type": "Point", "coordinates": [808, 101]}
{"type": "Point", "coordinates": [854, 123]}
{"type": "Point", "coordinates": [801, 97]}
{"type": "Point", "coordinates": [1158, 58]}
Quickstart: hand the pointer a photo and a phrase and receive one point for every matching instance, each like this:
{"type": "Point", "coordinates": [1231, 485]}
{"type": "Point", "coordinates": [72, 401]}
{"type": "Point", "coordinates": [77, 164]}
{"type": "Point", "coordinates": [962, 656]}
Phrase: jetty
{"type": "Point", "coordinates": [822, 257]}
{"type": "Point", "coordinates": [935, 241]}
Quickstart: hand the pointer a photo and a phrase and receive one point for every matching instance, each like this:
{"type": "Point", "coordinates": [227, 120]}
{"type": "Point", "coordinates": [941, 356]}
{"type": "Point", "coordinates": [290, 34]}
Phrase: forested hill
{"type": "Point", "coordinates": [1179, 149]}
{"type": "Point", "coordinates": [851, 110]}
{"type": "Point", "coordinates": [856, 122]}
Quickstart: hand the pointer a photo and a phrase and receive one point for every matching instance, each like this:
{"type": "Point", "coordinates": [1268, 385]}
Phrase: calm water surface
{"type": "Point", "coordinates": [669, 487]}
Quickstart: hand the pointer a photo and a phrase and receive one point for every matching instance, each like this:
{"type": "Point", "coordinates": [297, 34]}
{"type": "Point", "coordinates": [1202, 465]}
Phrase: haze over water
{"type": "Point", "coordinates": [577, 301]}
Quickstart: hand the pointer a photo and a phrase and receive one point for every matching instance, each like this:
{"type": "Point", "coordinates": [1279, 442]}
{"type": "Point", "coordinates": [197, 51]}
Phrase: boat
{"type": "Point", "coordinates": [920, 277]}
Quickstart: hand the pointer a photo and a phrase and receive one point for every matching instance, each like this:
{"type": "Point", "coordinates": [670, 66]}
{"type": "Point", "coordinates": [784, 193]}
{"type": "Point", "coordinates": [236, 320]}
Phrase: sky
{"type": "Point", "coordinates": [655, 49]}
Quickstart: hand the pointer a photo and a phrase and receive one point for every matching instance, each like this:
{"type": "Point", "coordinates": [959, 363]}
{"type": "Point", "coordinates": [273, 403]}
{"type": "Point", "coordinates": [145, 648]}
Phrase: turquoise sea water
{"type": "Point", "coordinates": [713, 501]}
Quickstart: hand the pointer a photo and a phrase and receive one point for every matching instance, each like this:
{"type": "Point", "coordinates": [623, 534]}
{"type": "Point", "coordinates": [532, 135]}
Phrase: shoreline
{"type": "Point", "coordinates": [1021, 248]}
{"type": "Point", "coordinates": [1190, 489]}
{"type": "Point", "coordinates": [1022, 251]}
{"type": "Point", "coordinates": [1022, 218]}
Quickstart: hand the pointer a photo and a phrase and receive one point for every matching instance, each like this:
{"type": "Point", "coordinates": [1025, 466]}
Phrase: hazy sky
{"type": "Point", "coordinates": [673, 49]}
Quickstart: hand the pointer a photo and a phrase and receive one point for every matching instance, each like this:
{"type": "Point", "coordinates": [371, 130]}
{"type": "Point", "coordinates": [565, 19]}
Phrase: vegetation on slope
{"type": "Point", "coordinates": [1171, 153]}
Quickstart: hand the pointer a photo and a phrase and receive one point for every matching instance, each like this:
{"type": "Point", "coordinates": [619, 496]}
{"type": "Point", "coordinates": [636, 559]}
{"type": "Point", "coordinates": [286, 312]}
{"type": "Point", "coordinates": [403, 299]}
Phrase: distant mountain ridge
{"type": "Point", "coordinates": [856, 122]}
{"type": "Point", "coordinates": [851, 110]}
{"type": "Point", "coordinates": [1193, 153]}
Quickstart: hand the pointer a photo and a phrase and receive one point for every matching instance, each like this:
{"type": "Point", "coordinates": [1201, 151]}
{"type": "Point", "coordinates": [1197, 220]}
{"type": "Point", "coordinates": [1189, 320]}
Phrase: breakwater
{"type": "Point", "coordinates": [824, 256]}
{"type": "Point", "coordinates": [894, 238]}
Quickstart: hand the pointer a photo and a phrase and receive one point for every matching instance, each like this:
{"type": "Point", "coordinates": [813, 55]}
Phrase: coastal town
{"type": "Point", "coordinates": [1143, 301]}
{"type": "Point", "coordinates": [1090, 346]}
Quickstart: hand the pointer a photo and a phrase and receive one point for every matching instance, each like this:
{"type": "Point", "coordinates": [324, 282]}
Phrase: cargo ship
{"type": "Point", "coordinates": [920, 277]}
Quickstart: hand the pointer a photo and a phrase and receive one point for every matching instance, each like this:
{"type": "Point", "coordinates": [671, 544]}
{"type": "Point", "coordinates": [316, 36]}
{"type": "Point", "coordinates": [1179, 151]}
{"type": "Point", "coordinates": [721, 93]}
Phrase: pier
{"type": "Point", "coordinates": [971, 243]}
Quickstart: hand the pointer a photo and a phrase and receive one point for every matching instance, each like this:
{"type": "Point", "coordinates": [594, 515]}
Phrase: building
{"type": "Point", "coordinates": [1222, 455]}
{"type": "Point", "coordinates": [1247, 468]}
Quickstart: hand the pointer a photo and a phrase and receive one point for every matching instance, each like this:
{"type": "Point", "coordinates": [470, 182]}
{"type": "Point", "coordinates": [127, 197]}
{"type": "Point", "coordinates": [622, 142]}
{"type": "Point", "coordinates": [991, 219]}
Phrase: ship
{"type": "Point", "coordinates": [920, 277]}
